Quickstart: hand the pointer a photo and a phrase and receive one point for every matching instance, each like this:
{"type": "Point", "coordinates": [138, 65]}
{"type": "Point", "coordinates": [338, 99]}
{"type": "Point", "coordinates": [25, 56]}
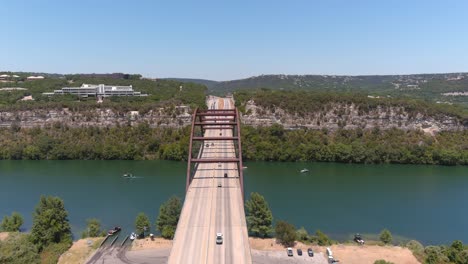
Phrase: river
{"type": "Point", "coordinates": [427, 203]}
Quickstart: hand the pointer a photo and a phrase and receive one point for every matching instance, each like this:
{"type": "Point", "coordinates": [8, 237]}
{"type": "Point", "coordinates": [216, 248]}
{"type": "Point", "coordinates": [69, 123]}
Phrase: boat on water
{"type": "Point", "coordinates": [133, 236]}
{"type": "Point", "coordinates": [114, 231]}
{"type": "Point", "coordinates": [304, 170]}
{"type": "Point", "coordinates": [244, 167]}
{"type": "Point", "coordinates": [128, 176]}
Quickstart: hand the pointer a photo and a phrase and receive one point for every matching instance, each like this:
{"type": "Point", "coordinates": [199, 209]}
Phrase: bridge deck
{"type": "Point", "coordinates": [209, 209]}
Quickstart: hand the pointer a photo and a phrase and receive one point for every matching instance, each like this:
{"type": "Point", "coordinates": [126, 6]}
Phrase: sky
{"type": "Point", "coordinates": [225, 40]}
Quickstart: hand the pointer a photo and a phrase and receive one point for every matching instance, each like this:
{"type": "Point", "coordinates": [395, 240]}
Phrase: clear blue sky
{"type": "Point", "coordinates": [224, 40]}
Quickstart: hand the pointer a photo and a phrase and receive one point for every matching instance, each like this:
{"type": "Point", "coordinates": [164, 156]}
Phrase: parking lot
{"type": "Point", "coordinates": [278, 257]}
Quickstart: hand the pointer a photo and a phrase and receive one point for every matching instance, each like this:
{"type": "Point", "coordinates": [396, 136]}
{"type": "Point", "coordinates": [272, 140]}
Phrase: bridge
{"type": "Point", "coordinates": [214, 201]}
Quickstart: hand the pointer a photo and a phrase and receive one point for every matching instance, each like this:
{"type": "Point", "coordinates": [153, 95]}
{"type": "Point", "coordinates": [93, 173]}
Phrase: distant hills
{"type": "Point", "coordinates": [424, 86]}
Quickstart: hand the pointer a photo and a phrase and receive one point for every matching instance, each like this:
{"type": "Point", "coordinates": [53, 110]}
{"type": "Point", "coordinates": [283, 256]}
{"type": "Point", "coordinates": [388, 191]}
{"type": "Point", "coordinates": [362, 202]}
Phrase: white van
{"type": "Point", "coordinates": [329, 252]}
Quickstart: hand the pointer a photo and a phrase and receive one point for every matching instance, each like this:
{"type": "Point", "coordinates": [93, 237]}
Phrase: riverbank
{"type": "Point", "coordinates": [349, 254]}
{"type": "Point", "coordinates": [264, 251]}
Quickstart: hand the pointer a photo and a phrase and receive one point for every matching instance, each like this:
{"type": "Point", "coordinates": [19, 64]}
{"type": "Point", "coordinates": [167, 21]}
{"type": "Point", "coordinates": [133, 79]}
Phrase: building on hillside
{"type": "Point", "coordinates": [100, 90]}
{"type": "Point", "coordinates": [4, 76]}
{"type": "Point", "coordinates": [32, 78]}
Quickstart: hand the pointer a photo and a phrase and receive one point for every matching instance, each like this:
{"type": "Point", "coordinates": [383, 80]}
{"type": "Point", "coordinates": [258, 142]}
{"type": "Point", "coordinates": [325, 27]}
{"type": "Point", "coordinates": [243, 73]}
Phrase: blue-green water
{"type": "Point", "coordinates": [427, 203]}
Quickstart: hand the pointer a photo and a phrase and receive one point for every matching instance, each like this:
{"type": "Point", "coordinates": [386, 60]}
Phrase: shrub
{"type": "Point", "coordinates": [386, 236]}
{"type": "Point", "coordinates": [381, 261]}
{"type": "Point", "coordinates": [93, 228]}
{"type": "Point", "coordinates": [302, 234]}
{"type": "Point", "coordinates": [17, 249]}
{"type": "Point", "coordinates": [322, 239]}
{"type": "Point", "coordinates": [285, 233]}
{"type": "Point", "coordinates": [12, 223]}
{"type": "Point", "coordinates": [168, 232]}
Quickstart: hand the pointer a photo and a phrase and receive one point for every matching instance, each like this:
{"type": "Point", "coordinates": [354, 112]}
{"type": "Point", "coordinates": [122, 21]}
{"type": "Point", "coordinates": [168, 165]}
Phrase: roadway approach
{"type": "Point", "coordinates": [214, 201]}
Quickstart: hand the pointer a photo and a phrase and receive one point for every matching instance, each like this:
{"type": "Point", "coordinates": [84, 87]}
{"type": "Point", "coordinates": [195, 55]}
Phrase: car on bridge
{"type": "Point", "coordinates": [219, 238]}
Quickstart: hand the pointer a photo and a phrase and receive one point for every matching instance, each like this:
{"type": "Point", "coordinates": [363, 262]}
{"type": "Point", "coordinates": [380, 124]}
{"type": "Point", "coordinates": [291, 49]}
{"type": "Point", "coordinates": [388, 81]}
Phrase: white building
{"type": "Point", "coordinates": [31, 78]}
{"type": "Point", "coordinates": [97, 90]}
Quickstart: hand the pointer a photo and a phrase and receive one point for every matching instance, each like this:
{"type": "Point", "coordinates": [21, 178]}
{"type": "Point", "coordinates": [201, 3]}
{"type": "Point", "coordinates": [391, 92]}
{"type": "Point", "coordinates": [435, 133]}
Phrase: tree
{"type": "Point", "coordinates": [259, 217]}
{"type": "Point", "coordinates": [93, 228]}
{"type": "Point", "coordinates": [434, 255]}
{"type": "Point", "coordinates": [322, 238]}
{"type": "Point", "coordinates": [302, 234]}
{"type": "Point", "coordinates": [12, 223]}
{"type": "Point", "coordinates": [285, 233]}
{"type": "Point", "coordinates": [50, 223]}
{"type": "Point", "coordinates": [169, 214]}
{"type": "Point", "coordinates": [386, 236]}
{"type": "Point", "coordinates": [142, 224]}
{"type": "Point", "coordinates": [17, 249]}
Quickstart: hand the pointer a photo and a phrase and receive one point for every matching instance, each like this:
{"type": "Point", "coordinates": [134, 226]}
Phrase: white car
{"type": "Point", "coordinates": [219, 238]}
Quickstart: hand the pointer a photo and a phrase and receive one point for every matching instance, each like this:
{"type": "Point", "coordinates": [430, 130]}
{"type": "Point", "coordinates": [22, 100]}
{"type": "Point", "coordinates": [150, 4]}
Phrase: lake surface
{"type": "Point", "coordinates": [427, 203]}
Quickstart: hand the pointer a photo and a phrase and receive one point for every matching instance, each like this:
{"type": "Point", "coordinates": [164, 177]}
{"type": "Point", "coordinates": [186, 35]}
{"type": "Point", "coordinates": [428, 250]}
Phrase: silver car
{"type": "Point", "coordinates": [219, 238]}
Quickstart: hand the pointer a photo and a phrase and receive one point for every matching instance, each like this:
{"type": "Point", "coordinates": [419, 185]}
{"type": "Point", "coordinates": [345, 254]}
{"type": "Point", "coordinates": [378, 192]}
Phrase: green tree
{"type": "Point", "coordinates": [168, 232]}
{"type": "Point", "coordinates": [18, 249]}
{"type": "Point", "coordinates": [302, 234]}
{"type": "Point", "coordinates": [169, 214]}
{"type": "Point", "coordinates": [12, 223]}
{"type": "Point", "coordinates": [259, 216]}
{"type": "Point", "coordinates": [93, 228]}
{"type": "Point", "coordinates": [435, 255]}
{"type": "Point", "coordinates": [322, 238]}
{"type": "Point", "coordinates": [386, 236]}
{"type": "Point", "coordinates": [381, 261]}
{"type": "Point", "coordinates": [285, 233]}
{"type": "Point", "coordinates": [50, 223]}
{"type": "Point", "coordinates": [142, 223]}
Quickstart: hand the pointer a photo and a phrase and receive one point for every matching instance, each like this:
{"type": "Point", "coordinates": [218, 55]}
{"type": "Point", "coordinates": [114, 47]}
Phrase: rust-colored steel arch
{"type": "Point", "coordinates": [199, 119]}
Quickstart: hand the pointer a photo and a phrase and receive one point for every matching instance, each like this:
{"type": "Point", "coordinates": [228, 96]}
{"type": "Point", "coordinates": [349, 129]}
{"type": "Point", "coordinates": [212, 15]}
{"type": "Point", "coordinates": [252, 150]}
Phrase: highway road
{"type": "Point", "coordinates": [209, 209]}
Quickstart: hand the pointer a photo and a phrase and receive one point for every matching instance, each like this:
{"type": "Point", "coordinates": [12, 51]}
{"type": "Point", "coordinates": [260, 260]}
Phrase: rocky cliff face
{"type": "Point", "coordinates": [332, 117]}
{"type": "Point", "coordinates": [348, 116]}
{"type": "Point", "coordinates": [169, 117]}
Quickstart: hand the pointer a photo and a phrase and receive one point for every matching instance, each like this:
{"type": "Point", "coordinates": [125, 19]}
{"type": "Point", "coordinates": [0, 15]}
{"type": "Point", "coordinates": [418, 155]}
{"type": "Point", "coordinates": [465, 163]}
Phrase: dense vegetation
{"type": "Point", "coordinates": [265, 144]}
{"type": "Point", "coordinates": [11, 223]}
{"type": "Point", "coordinates": [50, 235]}
{"type": "Point", "coordinates": [62, 142]}
{"type": "Point", "coordinates": [159, 91]}
{"type": "Point", "coordinates": [354, 146]}
{"type": "Point", "coordinates": [304, 102]}
{"type": "Point", "coordinates": [18, 249]}
{"type": "Point", "coordinates": [423, 86]}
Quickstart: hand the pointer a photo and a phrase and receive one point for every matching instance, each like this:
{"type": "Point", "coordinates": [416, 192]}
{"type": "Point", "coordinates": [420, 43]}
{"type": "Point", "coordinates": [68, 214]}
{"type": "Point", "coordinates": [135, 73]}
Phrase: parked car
{"type": "Point", "coordinates": [299, 252]}
{"type": "Point", "coordinates": [290, 252]}
{"type": "Point", "coordinates": [219, 238]}
{"type": "Point", "coordinates": [219, 184]}
{"type": "Point", "coordinates": [310, 252]}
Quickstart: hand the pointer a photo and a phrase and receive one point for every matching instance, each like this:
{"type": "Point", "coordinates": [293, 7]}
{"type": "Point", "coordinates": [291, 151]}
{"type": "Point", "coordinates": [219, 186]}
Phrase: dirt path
{"type": "Point", "coordinates": [80, 251]}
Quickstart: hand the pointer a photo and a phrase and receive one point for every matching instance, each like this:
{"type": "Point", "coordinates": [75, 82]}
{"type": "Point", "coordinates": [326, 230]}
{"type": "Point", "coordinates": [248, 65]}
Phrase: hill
{"type": "Point", "coordinates": [434, 87]}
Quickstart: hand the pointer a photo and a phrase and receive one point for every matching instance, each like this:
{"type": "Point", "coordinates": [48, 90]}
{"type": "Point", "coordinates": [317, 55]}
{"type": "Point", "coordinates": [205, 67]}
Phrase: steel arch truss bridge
{"type": "Point", "coordinates": [226, 123]}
